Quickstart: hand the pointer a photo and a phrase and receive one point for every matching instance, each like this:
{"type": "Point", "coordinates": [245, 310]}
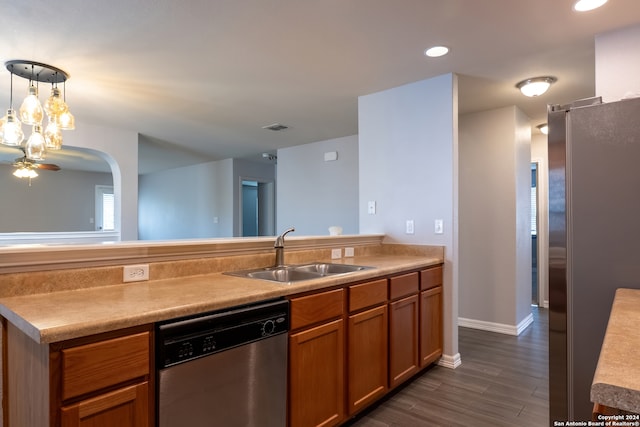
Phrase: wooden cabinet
{"type": "Point", "coordinates": [430, 315]}
{"type": "Point", "coordinates": [124, 407]}
{"type": "Point", "coordinates": [403, 327]}
{"type": "Point", "coordinates": [316, 360]}
{"type": "Point", "coordinates": [403, 339]}
{"type": "Point", "coordinates": [103, 380]}
{"type": "Point", "coordinates": [367, 352]}
{"type": "Point", "coordinates": [103, 383]}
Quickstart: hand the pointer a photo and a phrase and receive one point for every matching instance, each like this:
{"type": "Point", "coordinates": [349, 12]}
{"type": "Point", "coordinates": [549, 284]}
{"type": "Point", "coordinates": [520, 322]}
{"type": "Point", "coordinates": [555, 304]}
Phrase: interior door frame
{"type": "Point", "coordinates": [542, 205]}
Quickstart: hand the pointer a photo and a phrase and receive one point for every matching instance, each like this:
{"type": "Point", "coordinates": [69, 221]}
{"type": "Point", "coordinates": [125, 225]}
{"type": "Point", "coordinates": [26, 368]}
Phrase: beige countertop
{"type": "Point", "coordinates": [62, 315]}
{"type": "Point", "coordinates": [616, 382]}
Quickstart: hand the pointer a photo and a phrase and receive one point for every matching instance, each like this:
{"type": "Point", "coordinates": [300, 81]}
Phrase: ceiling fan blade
{"type": "Point", "coordinates": [47, 166]}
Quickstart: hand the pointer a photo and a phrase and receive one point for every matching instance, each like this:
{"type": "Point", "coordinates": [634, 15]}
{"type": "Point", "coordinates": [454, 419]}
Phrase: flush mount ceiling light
{"type": "Point", "coordinates": [535, 86]}
{"type": "Point", "coordinates": [436, 51]}
{"type": "Point", "coordinates": [587, 5]}
{"type": "Point", "coordinates": [544, 128]}
{"type": "Point", "coordinates": [31, 110]}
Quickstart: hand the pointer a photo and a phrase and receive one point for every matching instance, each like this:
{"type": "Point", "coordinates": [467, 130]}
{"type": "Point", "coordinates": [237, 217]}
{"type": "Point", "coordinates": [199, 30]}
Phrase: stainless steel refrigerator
{"type": "Point", "coordinates": [594, 238]}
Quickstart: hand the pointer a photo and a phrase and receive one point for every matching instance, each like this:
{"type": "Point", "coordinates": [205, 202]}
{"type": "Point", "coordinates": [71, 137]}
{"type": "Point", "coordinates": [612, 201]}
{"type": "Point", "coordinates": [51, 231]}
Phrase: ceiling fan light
{"type": "Point", "coordinates": [535, 86]}
{"type": "Point", "coordinates": [31, 108]}
{"type": "Point", "coordinates": [53, 136]}
{"type": "Point", "coordinates": [12, 129]}
{"type": "Point", "coordinates": [35, 146]}
{"type": "Point", "coordinates": [24, 172]}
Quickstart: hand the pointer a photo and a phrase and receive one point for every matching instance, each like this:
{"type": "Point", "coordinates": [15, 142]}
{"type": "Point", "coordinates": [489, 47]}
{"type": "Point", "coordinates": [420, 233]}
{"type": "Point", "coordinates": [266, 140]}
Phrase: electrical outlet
{"type": "Point", "coordinates": [409, 227]}
{"type": "Point", "coordinates": [135, 273]}
{"type": "Point", "coordinates": [348, 252]}
{"type": "Point", "coordinates": [336, 253]}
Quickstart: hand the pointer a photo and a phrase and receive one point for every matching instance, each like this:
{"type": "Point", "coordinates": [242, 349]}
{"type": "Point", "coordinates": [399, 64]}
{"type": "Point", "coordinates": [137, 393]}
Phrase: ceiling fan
{"type": "Point", "coordinates": [26, 167]}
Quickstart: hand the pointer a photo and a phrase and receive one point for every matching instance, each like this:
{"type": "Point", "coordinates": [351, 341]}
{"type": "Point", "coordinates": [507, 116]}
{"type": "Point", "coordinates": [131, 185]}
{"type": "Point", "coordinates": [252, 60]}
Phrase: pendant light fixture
{"type": "Point", "coordinates": [31, 110]}
{"type": "Point", "coordinates": [11, 127]}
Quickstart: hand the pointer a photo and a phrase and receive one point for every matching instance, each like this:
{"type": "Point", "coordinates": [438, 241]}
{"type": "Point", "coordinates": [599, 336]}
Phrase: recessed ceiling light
{"type": "Point", "coordinates": [436, 51]}
{"type": "Point", "coordinates": [586, 5]}
{"type": "Point", "coordinates": [535, 86]}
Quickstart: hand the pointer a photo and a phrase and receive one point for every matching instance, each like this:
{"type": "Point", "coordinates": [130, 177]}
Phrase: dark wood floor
{"type": "Point", "coordinates": [503, 381]}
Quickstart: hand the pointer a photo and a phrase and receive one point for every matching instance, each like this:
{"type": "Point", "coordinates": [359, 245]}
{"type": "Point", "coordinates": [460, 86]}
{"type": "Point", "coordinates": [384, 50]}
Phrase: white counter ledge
{"type": "Point", "coordinates": [616, 383]}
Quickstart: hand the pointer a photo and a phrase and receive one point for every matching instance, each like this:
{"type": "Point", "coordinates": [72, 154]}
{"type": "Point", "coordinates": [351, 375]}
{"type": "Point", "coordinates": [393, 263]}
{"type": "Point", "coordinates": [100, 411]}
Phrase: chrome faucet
{"type": "Point", "coordinates": [279, 246]}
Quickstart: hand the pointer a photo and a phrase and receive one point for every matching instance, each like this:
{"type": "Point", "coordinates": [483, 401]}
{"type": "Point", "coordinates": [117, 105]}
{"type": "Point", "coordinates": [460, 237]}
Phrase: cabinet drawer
{"type": "Point", "coordinates": [102, 364]}
{"type": "Point", "coordinates": [316, 308]}
{"type": "Point", "coordinates": [367, 294]}
{"type": "Point", "coordinates": [430, 278]}
{"type": "Point", "coordinates": [406, 284]}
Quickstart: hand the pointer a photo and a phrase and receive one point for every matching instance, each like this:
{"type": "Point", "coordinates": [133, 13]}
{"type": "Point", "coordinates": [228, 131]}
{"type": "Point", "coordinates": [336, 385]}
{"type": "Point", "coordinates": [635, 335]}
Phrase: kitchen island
{"type": "Point", "coordinates": [51, 331]}
{"type": "Point", "coordinates": [615, 390]}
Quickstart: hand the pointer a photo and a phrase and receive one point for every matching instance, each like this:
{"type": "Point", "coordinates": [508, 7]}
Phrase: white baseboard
{"type": "Point", "coordinates": [451, 362]}
{"type": "Point", "coordinates": [545, 304]}
{"type": "Point", "coordinates": [500, 328]}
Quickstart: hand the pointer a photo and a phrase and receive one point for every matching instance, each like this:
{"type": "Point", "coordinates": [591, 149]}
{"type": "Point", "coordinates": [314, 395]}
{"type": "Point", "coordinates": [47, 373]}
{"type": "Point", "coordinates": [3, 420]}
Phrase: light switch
{"type": "Point", "coordinates": [438, 226]}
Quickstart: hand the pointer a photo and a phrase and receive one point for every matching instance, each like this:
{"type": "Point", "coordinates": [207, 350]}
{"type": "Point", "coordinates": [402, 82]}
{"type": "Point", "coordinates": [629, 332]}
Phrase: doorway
{"type": "Point", "coordinates": [257, 208]}
{"type": "Point", "coordinates": [535, 291]}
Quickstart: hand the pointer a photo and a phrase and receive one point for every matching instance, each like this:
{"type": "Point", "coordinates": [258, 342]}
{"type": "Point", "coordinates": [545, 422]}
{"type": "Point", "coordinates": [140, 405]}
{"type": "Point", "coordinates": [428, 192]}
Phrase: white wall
{"type": "Point", "coordinates": [55, 202]}
{"type": "Point", "coordinates": [253, 171]}
{"type": "Point", "coordinates": [198, 201]}
{"type": "Point", "coordinates": [312, 194]}
{"type": "Point", "coordinates": [120, 149]}
{"type": "Point", "coordinates": [183, 203]}
{"type": "Point", "coordinates": [408, 166]}
{"type": "Point", "coordinates": [618, 64]}
{"type": "Point", "coordinates": [495, 203]}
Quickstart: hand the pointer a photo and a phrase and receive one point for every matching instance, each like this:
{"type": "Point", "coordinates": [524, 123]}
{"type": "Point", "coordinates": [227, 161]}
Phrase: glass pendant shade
{"type": "Point", "coordinates": [35, 146]}
{"type": "Point", "coordinates": [53, 136]}
{"type": "Point", "coordinates": [55, 105]}
{"type": "Point", "coordinates": [31, 109]}
{"type": "Point", "coordinates": [66, 121]}
{"type": "Point", "coordinates": [12, 130]}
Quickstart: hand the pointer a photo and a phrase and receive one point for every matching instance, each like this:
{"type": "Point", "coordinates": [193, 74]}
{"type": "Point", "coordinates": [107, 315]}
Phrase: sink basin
{"type": "Point", "coordinates": [325, 269]}
{"type": "Point", "coordinates": [297, 273]}
{"type": "Point", "coordinates": [282, 275]}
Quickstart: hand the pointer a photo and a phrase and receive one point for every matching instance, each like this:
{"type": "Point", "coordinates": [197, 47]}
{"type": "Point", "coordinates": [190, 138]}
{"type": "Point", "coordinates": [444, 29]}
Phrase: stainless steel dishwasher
{"type": "Point", "coordinates": [225, 368]}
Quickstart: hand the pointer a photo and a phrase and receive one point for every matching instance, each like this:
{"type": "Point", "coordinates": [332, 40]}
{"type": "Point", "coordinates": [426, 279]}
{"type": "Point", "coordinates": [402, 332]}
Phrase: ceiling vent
{"type": "Point", "coordinates": [277, 127]}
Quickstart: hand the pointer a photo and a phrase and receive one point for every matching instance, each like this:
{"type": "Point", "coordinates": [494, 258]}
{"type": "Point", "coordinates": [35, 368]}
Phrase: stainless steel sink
{"type": "Point", "coordinates": [282, 275]}
{"type": "Point", "coordinates": [325, 269]}
{"type": "Point", "coordinates": [297, 273]}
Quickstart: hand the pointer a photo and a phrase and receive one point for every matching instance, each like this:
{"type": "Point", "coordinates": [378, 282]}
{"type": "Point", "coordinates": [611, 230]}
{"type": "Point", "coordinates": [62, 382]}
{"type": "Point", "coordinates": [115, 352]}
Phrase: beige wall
{"type": "Point", "coordinates": [618, 64]}
{"type": "Point", "coordinates": [494, 220]}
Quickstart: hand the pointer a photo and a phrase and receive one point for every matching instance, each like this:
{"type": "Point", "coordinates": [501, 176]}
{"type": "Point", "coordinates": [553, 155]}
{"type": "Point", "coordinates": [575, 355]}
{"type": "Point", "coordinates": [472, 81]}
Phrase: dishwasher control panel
{"type": "Point", "coordinates": [193, 337]}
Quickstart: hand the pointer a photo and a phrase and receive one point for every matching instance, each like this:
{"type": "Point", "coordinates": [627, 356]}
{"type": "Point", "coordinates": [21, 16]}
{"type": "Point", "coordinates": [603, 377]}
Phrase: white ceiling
{"type": "Point", "coordinates": [204, 76]}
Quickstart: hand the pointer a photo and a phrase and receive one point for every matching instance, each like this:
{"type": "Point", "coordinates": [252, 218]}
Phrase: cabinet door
{"type": "Point", "coordinates": [316, 375]}
{"type": "Point", "coordinates": [430, 325]}
{"type": "Point", "coordinates": [126, 407]}
{"type": "Point", "coordinates": [367, 357]}
{"type": "Point", "coordinates": [403, 339]}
